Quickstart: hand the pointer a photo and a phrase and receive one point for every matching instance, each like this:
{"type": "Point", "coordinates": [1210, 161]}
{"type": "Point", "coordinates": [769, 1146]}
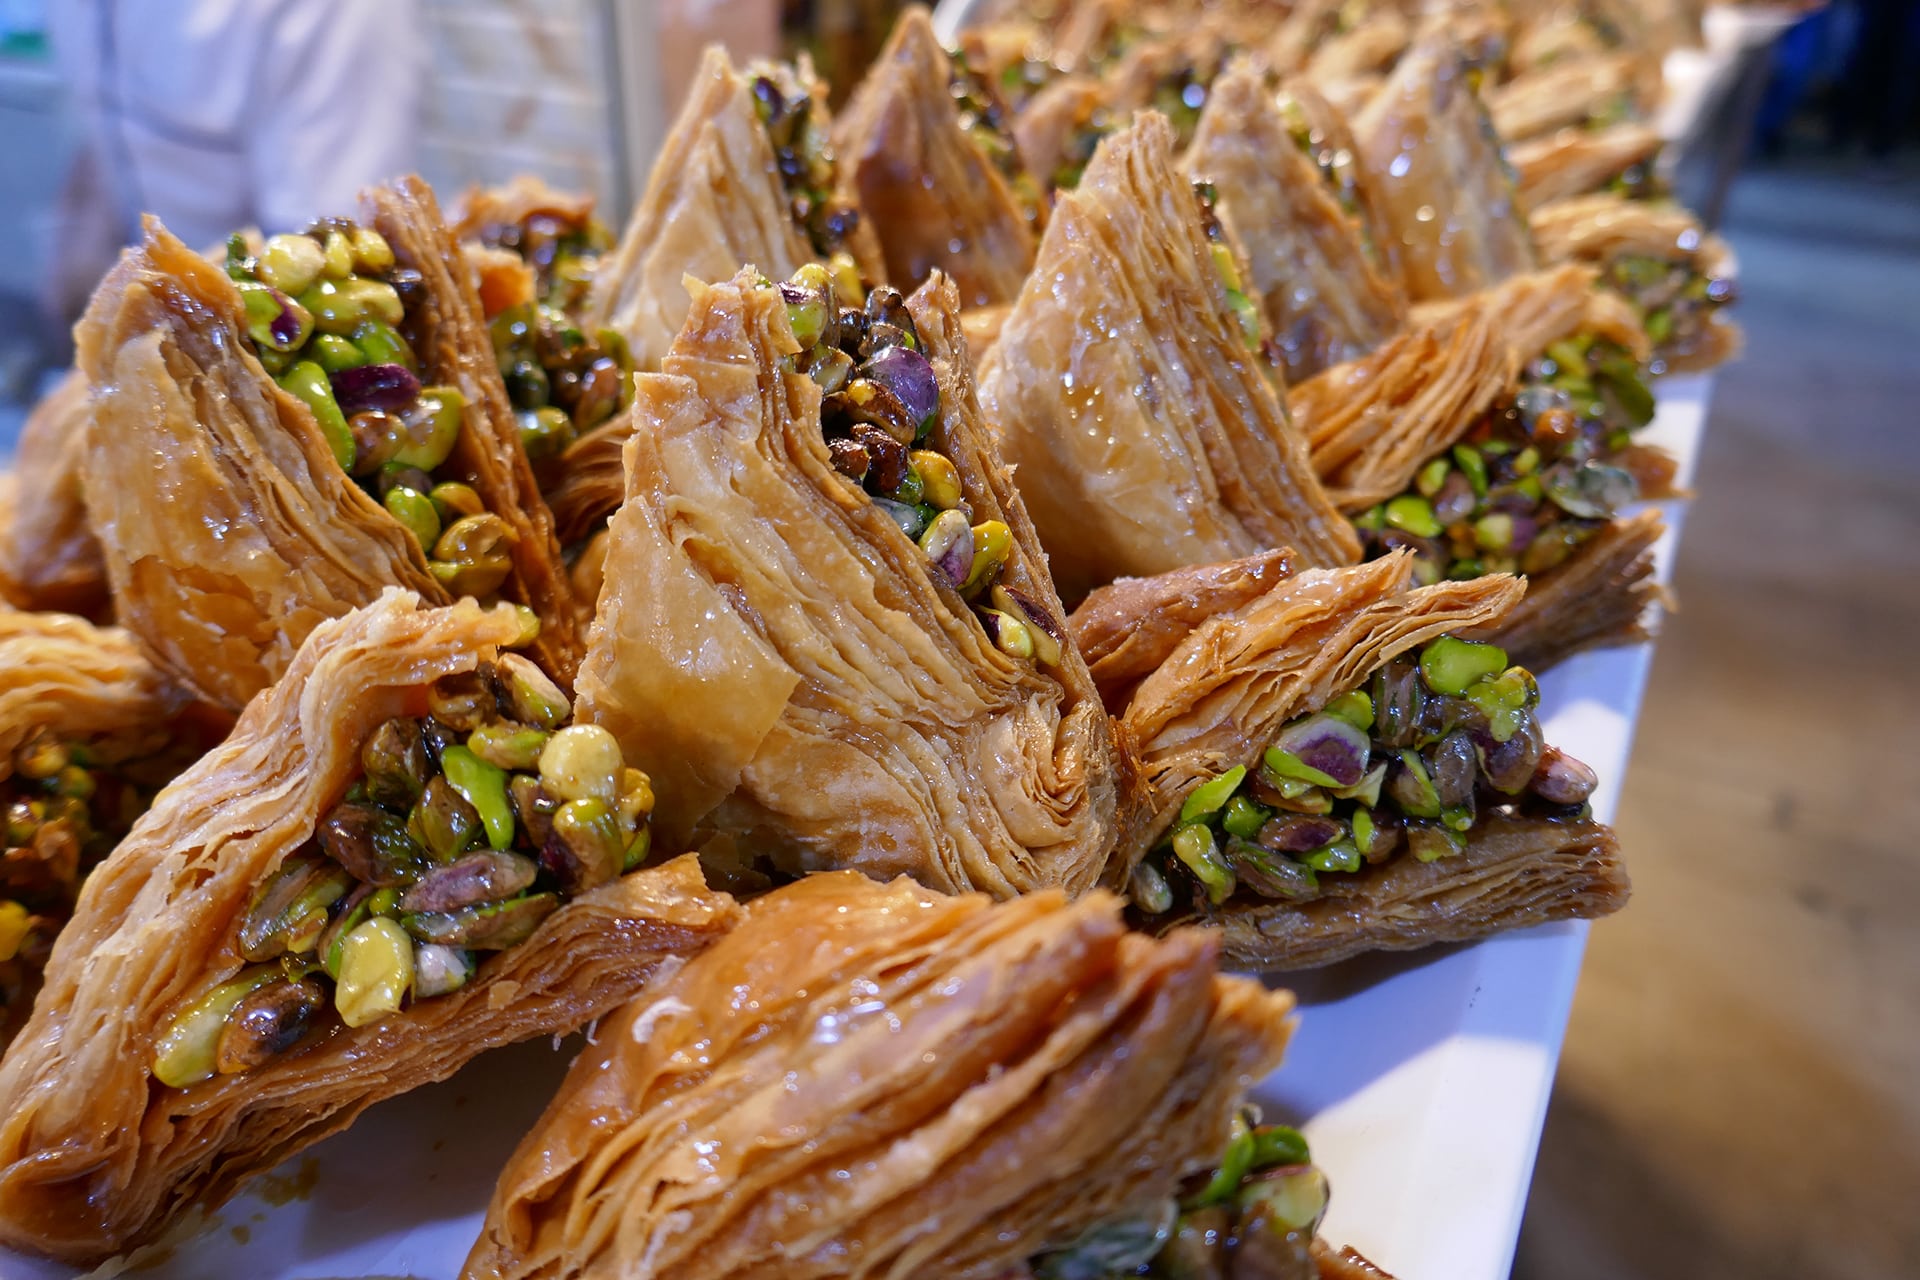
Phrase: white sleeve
{"type": "Point", "coordinates": [334, 106]}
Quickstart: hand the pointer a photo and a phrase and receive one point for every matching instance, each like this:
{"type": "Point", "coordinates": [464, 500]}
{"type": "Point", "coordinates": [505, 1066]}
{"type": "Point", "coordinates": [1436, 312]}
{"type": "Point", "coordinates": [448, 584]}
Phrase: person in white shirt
{"type": "Point", "coordinates": [223, 114]}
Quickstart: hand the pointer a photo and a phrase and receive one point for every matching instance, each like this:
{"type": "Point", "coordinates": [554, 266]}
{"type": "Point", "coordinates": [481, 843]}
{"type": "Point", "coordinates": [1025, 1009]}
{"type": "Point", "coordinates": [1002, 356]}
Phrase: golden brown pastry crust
{"type": "Point", "coordinates": [524, 195]}
{"type": "Point", "coordinates": [1238, 678]}
{"type": "Point", "coordinates": [870, 1080]}
{"type": "Point", "coordinates": [713, 201]}
{"type": "Point", "coordinates": [1427, 148]}
{"type": "Point", "coordinates": [1307, 258]}
{"type": "Point", "coordinates": [228, 529]}
{"type": "Point", "coordinates": [782, 660]}
{"type": "Point", "coordinates": [1515, 872]}
{"type": "Point", "coordinates": [1373, 422]}
{"type": "Point", "coordinates": [1130, 626]}
{"type": "Point", "coordinates": [1045, 127]}
{"type": "Point", "coordinates": [1573, 162]}
{"type": "Point", "coordinates": [49, 558]}
{"type": "Point", "coordinates": [934, 200]}
{"type": "Point", "coordinates": [1544, 306]}
{"type": "Point", "coordinates": [95, 1156]}
{"type": "Point", "coordinates": [1146, 435]}
{"type": "Point", "coordinates": [1559, 94]}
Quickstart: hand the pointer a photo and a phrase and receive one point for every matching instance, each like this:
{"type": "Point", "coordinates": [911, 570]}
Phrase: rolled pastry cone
{"type": "Point", "coordinates": [1561, 94]}
{"type": "Point", "coordinates": [1241, 676]}
{"type": "Point", "coordinates": [1307, 27]}
{"type": "Point", "coordinates": [1056, 121]}
{"type": "Point", "coordinates": [1371, 422]}
{"type": "Point", "coordinates": [1130, 626]}
{"type": "Point", "coordinates": [84, 686]}
{"type": "Point", "coordinates": [1605, 230]}
{"type": "Point", "coordinates": [96, 1156]}
{"type": "Point", "coordinates": [842, 707]}
{"type": "Point", "coordinates": [1146, 435]}
{"type": "Point", "coordinates": [49, 558]}
{"type": "Point", "coordinates": [228, 528]}
{"type": "Point", "coordinates": [998, 1079]}
{"type": "Point", "coordinates": [1574, 162]}
{"type": "Point", "coordinates": [1308, 259]}
{"type": "Point", "coordinates": [714, 200]}
{"type": "Point", "coordinates": [1434, 162]}
{"type": "Point", "coordinates": [1395, 406]}
{"type": "Point", "coordinates": [935, 199]}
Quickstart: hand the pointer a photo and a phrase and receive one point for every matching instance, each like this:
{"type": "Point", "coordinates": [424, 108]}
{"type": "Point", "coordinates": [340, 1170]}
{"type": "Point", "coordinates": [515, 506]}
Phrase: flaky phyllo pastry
{"type": "Point", "coordinates": [402, 856]}
{"type": "Point", "coordinates": [827, 626]}
{"type": "Point", "coordinates": [746, 174]}
{"type": "Point", "coordinates": [1511, 456]}
{"type": "Point", "coordinates": [1336, 771]}
{"type": "Point", "coordinates": [1576, 162]}
{"type": "Point", "coordinates": [928, 148]}
{"type": "Point", "coordinates": [275, 443]}
{"type": "Point", "coordinates": [868, 1080]}
{"type": "Point", "coordinates": [1679, 276]}
{"type": "Point", "coordinates": [49, 558]}
{"type": "Point", "coordinates": [1433, 160]}
{"type": "Point", "coordinates": [1289, 196]}
{"type": "Point", "coordinates": [1593, 91]}
{"type": "Point", "coordinates": [1130, 388]}
{"type": "Point", "coordinates": [89, 730]}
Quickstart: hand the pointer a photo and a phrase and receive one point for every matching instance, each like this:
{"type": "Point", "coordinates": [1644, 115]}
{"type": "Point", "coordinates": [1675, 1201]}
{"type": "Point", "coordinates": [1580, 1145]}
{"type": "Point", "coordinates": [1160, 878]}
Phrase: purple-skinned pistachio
{"type": "Point", "coordinates": [948, 542]}
{"type": "Point", "coordinates": [485, 876]}
{"type": "Point", "coordinates": [1510, 765]}
{"type": "Point", "coordinates": [1298, 832]}
{"type": "Point", "coordinates": [1320, 749]}
{"type": "Point", "coordinates": [391, 387]}
{"type": "Point", "coordinates": [1560, 779]}
{"type": "Point", "coordinates": [493, 927]}
{"type": "Point", "coordinates": [1046, 632]}
{"type": "Point", "coordinates": [1454, 767]}
{"type": "Point", "coordinates": [909, 376]}
{"type": "Point", "coordinates": [1455, 500]}
{"type": "Point", "coordinates": [371, 844]}
{"type": "Point", "coordinates": [887, 457]}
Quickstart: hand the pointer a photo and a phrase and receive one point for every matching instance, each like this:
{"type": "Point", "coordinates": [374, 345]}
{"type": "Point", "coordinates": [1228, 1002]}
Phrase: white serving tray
{"type": "Point", "coordinates": [1422, 1080]}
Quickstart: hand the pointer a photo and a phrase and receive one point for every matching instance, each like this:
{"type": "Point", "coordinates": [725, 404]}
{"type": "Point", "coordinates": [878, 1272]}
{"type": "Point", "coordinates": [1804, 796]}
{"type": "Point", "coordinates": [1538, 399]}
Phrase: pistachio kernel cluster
{"type": "Point", "coordinates": [327, 313]}
{"type": "Point", "coordinates": [564, 251]}
{"type": "Point", "coordinates": [795, 120]}
{"type": "Point", "coordinates": [881, 403]}
{"type": "Point", "coordinates": [1431, 746]}
{"type": "Point", "coordinates": [1532, 480]}
{"type": "Point", "coordinates": [563, 382]}
{"type": "Point", "coordinates": [985, 119]}
{"type": "Point", "coordinates": [1253, 1214]}
{"type": "Point", "coordinates": [1674, 298]}
{"type": "Point", "coordinates": [470, 825]}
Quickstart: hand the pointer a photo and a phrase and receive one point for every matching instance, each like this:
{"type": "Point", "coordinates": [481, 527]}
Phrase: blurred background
{"type": "Point", "coordinates": [1740, 1090]}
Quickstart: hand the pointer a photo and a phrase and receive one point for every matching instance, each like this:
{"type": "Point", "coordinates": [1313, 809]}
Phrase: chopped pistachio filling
{"type": "Point", "coordinates": [1675, 298]}
{"type": "Point", "coordinates": [1254, 1214]}
{"type": "Point", "coordinates": [1431, 746]}
{"type": "Point", "coordinates": [985, 119]}
{"type": "Point", "coordinates": [881, 403]}
{"type": "Point", "coordinates": [1536, 477]}
{"type": "Point", "coordinates": [795, 121]}
{"type": "Point", "coordinates": [65, 808]}
{"type": "Point", "coordinates": [327, 314]}
{"type": "Point", "coordinates": [470, 825]}
{"type": "Point", "coordinates": [562, 380]}
{"type": "Point", "coordinates": [563, 250]}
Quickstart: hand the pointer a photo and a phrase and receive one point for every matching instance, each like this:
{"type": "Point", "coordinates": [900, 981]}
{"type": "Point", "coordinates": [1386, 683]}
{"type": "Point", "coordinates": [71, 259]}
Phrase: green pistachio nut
{"type": "Point", "coordinates": [1414, 515]}
{"type": "Point", "coordinates": [1207, 798]}
{"type": "Point", "coordinates": [484, 786]}
{"type": "Point", "coordinates": [1193, 844]}
{"type": "Point", "coordinates": [307, 382]}
{"type": "Point", "coordinates": [188, 1051]}
{"type": "Point", "coordinates": [290, 263]}
{"type": "Point", "coordinates": [1450, 665]}
{"type": "Point", "coordinates": [376, 972]}
{"type": "Point", "coordinates": [415, 510]}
